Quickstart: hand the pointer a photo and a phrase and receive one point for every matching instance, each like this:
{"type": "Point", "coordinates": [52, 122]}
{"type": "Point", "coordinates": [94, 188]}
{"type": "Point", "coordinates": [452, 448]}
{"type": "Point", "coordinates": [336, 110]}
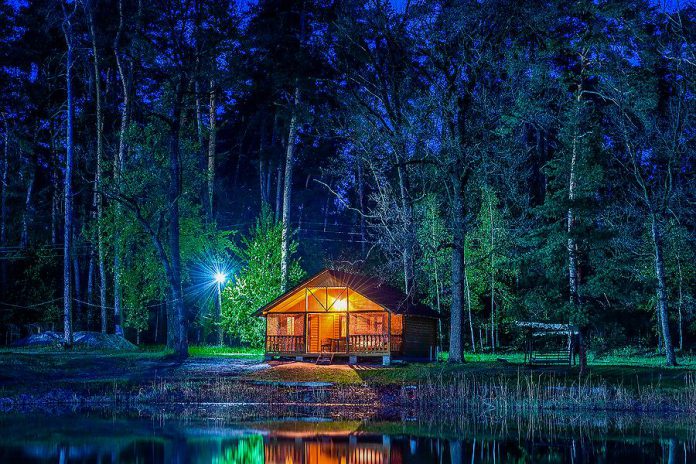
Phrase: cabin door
{"type": "Point", "coordinates": [327, 331]}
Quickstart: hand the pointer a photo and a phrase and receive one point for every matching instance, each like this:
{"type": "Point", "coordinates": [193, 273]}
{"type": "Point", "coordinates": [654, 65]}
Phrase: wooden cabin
{"type": "Point", "coordinates": [336, 313]}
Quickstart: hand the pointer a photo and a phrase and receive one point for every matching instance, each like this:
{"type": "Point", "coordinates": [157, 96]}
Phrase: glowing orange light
{"type": "Point", "coordinates": [340, 304]}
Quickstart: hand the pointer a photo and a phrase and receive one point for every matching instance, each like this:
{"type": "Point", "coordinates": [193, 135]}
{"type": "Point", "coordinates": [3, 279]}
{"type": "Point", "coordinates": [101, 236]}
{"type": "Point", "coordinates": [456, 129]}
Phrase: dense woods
{"type": "Point", "coordinates": [500, 161]}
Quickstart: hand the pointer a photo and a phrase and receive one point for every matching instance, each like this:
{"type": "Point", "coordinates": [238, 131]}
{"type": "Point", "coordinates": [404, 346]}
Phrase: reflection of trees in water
{"type": "Point", "coordinates": [551, 425]}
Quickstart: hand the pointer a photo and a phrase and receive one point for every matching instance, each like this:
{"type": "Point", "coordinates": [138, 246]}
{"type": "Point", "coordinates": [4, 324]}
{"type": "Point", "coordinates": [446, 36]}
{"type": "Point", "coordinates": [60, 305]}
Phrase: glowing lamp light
{"type": "Point", "coordinates": [340, 305]}
{"type": "Point", "coordinates": [220, 277]}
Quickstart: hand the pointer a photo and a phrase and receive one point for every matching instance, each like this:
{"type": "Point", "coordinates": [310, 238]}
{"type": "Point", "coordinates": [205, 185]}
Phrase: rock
{"type": "Point", "coordinates": [46, 339]}
{"type": "Point", "coordinates": [96, 341]}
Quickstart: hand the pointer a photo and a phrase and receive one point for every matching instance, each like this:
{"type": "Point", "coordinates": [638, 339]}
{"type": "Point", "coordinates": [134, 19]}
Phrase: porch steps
{"type": "Point", "coordinates": [325, 359]}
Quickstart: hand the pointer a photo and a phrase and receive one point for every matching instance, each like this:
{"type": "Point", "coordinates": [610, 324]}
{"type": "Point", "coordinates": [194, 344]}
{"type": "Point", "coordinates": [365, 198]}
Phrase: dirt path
{"type": "Point", "coordinates": [41, 368]}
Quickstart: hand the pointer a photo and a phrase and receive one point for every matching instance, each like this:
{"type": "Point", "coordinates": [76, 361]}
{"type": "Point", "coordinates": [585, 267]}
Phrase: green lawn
{"type": "Point", "coordinates": [224, 351]}
{"type": "Point", "coordinates": [629, 372]}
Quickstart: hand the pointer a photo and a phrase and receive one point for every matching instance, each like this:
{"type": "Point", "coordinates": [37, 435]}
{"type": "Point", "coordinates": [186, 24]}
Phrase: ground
{"type": "Point", "coordinates": [621, 371]}
{"type": "Point", "coordinates": [20, 367]}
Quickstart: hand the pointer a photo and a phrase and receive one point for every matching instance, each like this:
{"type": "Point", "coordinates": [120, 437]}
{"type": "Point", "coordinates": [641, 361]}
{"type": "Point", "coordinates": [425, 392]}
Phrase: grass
{"type": "Point", "coordinates": [29, 365]}
{"type": "Point", "coordinates": [632, 373]}
{"type": "Point", "coordinates": [205, 351]}
{"type": "Point", "coordinates": [222, 374]}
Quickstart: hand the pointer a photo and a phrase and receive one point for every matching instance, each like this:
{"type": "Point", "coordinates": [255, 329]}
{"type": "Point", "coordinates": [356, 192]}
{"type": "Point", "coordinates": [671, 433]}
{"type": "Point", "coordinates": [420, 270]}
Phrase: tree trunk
{"type": "Point", "coordinates": [325, 210]}
{"type": "Point", "coordinates": [67, 189]}
{"type": "Point", "coordinates": [3, 199]}
{"type": "Point", "coordinates": [3, 185]}
{"type": "Point", "coordinates": [279, 191]}
{"type": "Point", "coordinates": [287, 192]}
{"type": "Point", "coordinates": [492, 277]}
{"type": "Point", "coordinates": [98, 199]}
{"type": "Point", "coordinates": [455, 343]}
{"type": "Point", "coordinates": [26, 217]}
{"type": "Point", "coordinates": [181, 344]}
{"type": "Point", "coordinates": [90, 288]}
{"type": "Point", "coordinates": [119, 165]}
{"type": "Point", "coordinates": [211, 150]}
{"type": "Point", "coordinates": [78, 288]}
{"type": "Point", "coordinates": [55, 195]}
{"type": "Point", "coordinates": [662, 305]}
{"type": "Point", "coordinates": [171, 321]}
{"type": "Point", "coordinates": [262, 174]}
{"type": "Point", "coordinates": [55, 199]}
{"type": "Point", "coordinates": [573, 284]}
{"type": "Point", "coordinates": [361, 205]}
{"type": "Point", "coordinates": [436, 278]}
{"type": "Point", "coordinates": [680, 305]}
{"type": "Point", "coordinates": [468, 299]}
{"type": "Point", "coordinates": [203, 155]}
{"type": "Point", "coordinates": [409, 274]}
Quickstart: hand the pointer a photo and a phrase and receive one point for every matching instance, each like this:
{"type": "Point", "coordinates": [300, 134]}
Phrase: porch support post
{"type": "Point", "coordinates": [347, 321]}
{"type": "Point", "coordinates": [306, 329]}
{"type": "Point", "coordinates": [265, 334]}
{"type": "Point", "coordinates": [352, 360]}
{"type": "Point", "coordinates": [388, 332]}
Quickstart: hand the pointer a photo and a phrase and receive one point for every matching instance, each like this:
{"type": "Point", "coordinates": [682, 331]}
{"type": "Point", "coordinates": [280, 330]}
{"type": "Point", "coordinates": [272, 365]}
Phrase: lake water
{"type": "Point", "coordinates": [110, 438]}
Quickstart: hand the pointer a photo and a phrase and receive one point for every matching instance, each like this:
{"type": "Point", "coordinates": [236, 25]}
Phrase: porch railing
{"type": "Point", "coordinates": [369, 343]}
{"type": "Point", "coordinates": [373, 343]}
{"type": "Point", "coordinates": [285, 343]}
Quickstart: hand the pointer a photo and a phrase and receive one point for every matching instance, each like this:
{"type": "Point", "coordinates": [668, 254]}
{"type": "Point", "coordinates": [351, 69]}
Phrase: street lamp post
{"type": "Point", "coordinates": [219, 280]}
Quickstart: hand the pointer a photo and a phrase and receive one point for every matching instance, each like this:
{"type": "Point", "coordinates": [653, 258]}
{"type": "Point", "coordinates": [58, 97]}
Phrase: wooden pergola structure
{"type": "Point", "coordinates": [562, 339]}
{"type": "Point", "coordinates": [336, 313]}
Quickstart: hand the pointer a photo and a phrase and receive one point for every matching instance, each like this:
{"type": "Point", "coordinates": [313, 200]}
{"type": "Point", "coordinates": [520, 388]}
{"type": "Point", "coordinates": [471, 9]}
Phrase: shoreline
{"type": "Point", "coordinates": [470, 394]}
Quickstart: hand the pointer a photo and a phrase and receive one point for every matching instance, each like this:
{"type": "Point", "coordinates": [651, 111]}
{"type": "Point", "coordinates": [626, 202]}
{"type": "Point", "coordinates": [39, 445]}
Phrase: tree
{"type": "Point", "coordinates": [654, 146]}
{"type": "Point", "coordinates": [375, 59]}
{"type": "Point", "coordinates": [98, 203]}
{"type": "Point", "coordinates": [258, 281]}
{"type": "Point", "coordinates": [67, 183]}
{"type": "Point", "coordinates": [492, 271]}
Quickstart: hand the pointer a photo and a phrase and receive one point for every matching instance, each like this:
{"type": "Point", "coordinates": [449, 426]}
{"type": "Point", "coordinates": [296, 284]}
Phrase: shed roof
{"type": "Point", "coordinates": [388, 297]}
{"type": "Point", "coordinates": [547, 328]}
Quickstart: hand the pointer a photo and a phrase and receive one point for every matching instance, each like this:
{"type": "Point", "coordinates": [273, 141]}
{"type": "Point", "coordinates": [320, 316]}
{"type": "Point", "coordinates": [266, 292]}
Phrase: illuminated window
{"type": "Point", "coordinates": [316, 299]}
{"type": "Point", "coordinates": [337, 298]}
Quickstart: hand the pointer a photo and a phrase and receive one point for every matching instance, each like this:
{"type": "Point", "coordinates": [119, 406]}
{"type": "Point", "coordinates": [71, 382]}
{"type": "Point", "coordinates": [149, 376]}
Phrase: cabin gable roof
{"type": "Point", "coordinates": [386, 296]}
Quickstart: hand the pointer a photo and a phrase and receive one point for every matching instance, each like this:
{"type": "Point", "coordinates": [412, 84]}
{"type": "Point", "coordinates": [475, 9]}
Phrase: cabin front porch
{"type": "Point", "coordinates": [340, 334]}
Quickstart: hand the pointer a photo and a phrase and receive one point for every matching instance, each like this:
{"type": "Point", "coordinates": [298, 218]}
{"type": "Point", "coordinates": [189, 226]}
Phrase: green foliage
{"type": "Point", "coordinates": [489, 250]}
{"type": "Point", "coordinates": [144, 282]}
{"type": "Point", "coordinates": [258, 280]}
{"type": "Point", "coordinates": [433, 267]}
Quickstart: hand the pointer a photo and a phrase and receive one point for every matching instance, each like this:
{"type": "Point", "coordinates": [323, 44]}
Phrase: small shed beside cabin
{"type": "Point", "coordinates": [341, 314]}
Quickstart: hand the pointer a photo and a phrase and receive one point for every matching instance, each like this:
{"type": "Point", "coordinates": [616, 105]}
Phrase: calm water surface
{"type": "Point", "coordinates": [82, 438]}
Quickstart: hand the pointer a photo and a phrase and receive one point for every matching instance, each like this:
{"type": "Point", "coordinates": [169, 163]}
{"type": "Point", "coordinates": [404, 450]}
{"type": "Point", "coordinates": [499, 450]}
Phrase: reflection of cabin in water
{"type": "Point", "coordinates": [336, 313]}
{"type": "Point", "coordinates": [328, 449]}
